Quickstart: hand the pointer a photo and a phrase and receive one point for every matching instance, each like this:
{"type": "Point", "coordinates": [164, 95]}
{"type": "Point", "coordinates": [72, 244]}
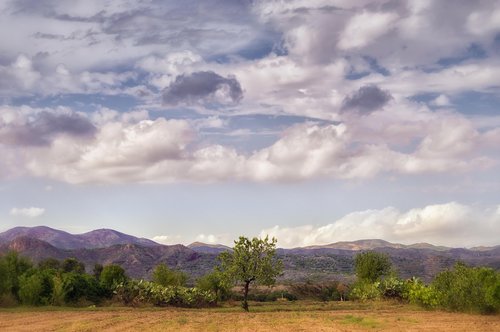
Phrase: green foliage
{"type": "Point", "coordinates": [80, 287]}
{"type": "Point", "coordinates": [73, 265]}
{"type": "Point", "coordinates": [111, 276]}
{"type": "Point", "coordinates": [12, 266]}
{"type": "Point", "coordinates": [216, 282]}
{"type": "Point", "coordinates": [470, 289]}
{"type": "Point", "coordinates": [327, 291]}
{"type": "Point", "coordinates": [143, 292]}
{"type": "Point", "coordinates": [371, 266]}
{"type": "Point", "coordinates": [418, 293]}
{"type": "Point", "coordinates": [97, 271]}
{"type": "Point", "coordinates": [393, 288]}
{"type": "Point", "coordinates": [49, 264]}
{"type": "Point", "coordinates": [252, 261]}
{"type": "Point", "coordinates": [164, 276]}
{"type": "Point", "coordinates": [365, 290]}
{"type": "Point", "coordinates": [30, 289]}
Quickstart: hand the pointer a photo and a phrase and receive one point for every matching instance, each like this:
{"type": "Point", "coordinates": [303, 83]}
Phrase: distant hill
{"type": "Point", "coordinates": [99, 238]}
{"type": "Point", "coordinates": [139, 256]}
{"type": "Point", "coordinates": [208, 248]}
{"type": "Point", "coordinates": [371, 244]}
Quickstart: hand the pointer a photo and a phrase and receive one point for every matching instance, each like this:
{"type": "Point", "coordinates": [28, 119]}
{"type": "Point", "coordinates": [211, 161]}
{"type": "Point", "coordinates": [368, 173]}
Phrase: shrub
{"type": "Point", "coordinates": [418, 293]}
{"type": "Point", "coordinates": [163, 276]}
{"type": "Point", "coordinates": [144, 292]}
{"type": "Point", "coordinates": [327, 291]}
{"type": "Point", "coordinates": [393, 288]}
{"type": "Point", "coordinates": [30, 289]}
{"type": "Point", "coordinates": [470, 289]}
{"type": "Point", "coordinates": [372, 265]}
{"type": "Point", "coordinates": [364, 290]}
{"type": "Point", "coordinates": [110, 276]}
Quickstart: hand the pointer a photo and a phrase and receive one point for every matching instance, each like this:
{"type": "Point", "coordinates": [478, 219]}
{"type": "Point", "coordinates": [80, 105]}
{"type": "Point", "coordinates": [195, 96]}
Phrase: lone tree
{"type": "Point", "coordinates": [371, 266]}
{"type": "Point", "coordinates": [252, 261]}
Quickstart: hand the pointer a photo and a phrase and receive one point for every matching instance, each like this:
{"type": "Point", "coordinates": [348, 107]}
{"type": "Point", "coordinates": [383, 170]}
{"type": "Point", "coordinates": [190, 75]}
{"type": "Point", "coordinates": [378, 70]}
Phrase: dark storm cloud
{"type": "Point", "coordinates": [367, 99]}
{"type": "Point", "coordinates": [200, 86]}
{"type": "Point", "coordinates": [41, 130]}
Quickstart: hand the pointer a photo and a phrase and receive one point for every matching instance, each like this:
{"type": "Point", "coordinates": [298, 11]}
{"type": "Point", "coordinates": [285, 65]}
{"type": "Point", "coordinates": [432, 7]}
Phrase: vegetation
{"type": "Point", "coordinates": [370, 266]}
{"type": "Point", "coordinates": [162, 275]}
{"type": "Point", "coordinates": [51, 282]}
{"type": "Point", "coordinates": [216, 282]}
{"type": "Point", "coordinates": [251, 261]}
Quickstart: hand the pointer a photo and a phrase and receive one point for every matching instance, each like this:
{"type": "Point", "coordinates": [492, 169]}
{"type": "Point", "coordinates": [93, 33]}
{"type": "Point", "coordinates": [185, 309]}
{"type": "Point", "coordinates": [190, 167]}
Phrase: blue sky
{"type": "Point", "coordinates": [312, 121]}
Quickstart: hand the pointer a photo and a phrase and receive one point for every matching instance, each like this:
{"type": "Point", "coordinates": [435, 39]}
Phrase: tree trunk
{"type": "Point", "coordinates": [245, 296]}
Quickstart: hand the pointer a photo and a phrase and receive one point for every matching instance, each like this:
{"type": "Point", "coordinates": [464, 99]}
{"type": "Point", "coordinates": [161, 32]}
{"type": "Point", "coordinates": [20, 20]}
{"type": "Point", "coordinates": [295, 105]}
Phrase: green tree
{"type": "Point", "coordinates": [111, 276]}
{"type": "Point", "coordinates": [472, 289]}
{"type": "Point", "coordinates": [372, 266]}
{"type": "Point", "coordinates": [251, 261]}
{"type": "Point", "coordinates": [163, 275]}
{"type": "Point", "coordinates": [49, 264]}
{"type": "Point", "coordinates": [97, 271]}
{"type": "Point", "coordinates": [216, 282]}
{"type": "Point", "coordinates": [12, 266]}
{"type": "Point", "coordinates": [73, 265]}
{"type": "Point", "coordinates": [31, 289]}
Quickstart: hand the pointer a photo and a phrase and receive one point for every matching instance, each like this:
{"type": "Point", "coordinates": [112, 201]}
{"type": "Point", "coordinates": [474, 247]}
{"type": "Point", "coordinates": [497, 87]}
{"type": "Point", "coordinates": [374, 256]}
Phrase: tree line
{"type": "Point", "coordinates": [251, 262]}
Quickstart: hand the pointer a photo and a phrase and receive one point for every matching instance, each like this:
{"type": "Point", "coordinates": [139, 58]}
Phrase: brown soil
{"type": "Point", "coordinates": [171, 319]}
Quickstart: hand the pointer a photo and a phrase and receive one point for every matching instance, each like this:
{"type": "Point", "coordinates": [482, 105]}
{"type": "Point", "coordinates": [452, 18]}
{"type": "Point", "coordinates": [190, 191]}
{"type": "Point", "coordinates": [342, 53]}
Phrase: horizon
{"type": "Point", "coordinates": [229, 244]}
{"type": "Point", "coordinates": [312, 122]}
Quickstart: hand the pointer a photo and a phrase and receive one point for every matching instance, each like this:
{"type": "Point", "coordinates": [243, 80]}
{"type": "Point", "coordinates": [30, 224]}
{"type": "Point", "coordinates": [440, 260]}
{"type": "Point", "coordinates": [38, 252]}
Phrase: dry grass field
{"type": "Point", "coordinates": [297, 316]}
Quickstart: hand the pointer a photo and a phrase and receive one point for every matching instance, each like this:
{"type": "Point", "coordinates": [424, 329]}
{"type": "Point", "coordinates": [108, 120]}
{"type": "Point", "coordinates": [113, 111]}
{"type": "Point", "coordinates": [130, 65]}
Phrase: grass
{"type": "Point", "coordinates": [275, 316]}
{"type": "Point", "coordinates": [361, 321]}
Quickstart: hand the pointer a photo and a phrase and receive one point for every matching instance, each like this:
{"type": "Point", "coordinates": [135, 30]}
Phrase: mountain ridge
{"type": "Point", "coordinates": [334, 261]}
{"type": "Point", "coordinates": [98, 238]}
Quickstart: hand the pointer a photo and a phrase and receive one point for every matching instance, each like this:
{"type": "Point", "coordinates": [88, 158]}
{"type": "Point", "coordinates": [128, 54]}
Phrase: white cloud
{"type": "Point", "coordinates": [364, 28]}
{"type": "Point", "coordinates": [441, 100]}
{"type": "Point", "coordinates": [31, 212]}
{"type": "Point", "coordinates": [451, 224]}
{"type": "Point", "coordinates": [167, 239]}
{"type": "Point", "coordinates": [130, 147]}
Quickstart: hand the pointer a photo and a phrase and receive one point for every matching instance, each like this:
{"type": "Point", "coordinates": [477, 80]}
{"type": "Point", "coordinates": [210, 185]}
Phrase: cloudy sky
{"type": "Point", "coordinates": [313, 121]}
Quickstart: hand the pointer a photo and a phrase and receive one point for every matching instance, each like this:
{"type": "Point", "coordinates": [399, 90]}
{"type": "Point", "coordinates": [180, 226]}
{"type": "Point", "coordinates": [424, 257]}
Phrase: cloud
{"type": "Point", "coordinates": [367, 98]}
{"type": "Point", "coordinates": [31, 212]}
{"type": "Point", "coordinates": [364, 28]}
{"type": "Point", "coordinates": [441, 101]}
{"type": "Point", "coordinates": [451, 224]}
{"type": "Point", "coordinates": [40, 128]}
{"type": "Point", "coordinates": [167, 239]}
{"type": "Point", "coordinates": [131, 147]}
{"type": "Point", "coordinates": [202, 87]}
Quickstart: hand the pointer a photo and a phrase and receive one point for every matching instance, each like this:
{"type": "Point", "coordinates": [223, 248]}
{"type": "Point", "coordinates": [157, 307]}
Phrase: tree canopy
{"type": "Point", "coordinates": [371, 265]}
{"type": "Point", "coordinates": [251, 261]}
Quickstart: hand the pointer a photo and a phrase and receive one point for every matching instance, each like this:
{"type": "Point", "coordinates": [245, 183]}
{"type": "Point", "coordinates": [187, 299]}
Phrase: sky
{"type": "Point", "coordinates": [312, 121]}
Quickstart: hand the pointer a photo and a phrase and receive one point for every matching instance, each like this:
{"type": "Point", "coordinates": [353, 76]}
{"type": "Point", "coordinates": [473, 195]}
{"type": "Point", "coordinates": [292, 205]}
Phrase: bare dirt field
{"type": "Point", "coordinates": [298, 316]}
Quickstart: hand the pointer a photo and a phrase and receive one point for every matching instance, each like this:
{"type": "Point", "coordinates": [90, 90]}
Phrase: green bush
{"type": "Point", "coordinates": [145, 292]}
{"type": "Point", "coordinates": [418, 293]}
{"type": "Point", "coordinates": [469, 289]}
{"type": "Point", "coordinates": [110, 276]}
{"type": "Point", "coordinates": [326, 291]}
{"type": "Point", "coordinates": [364, 290]}
{"type": "Point", "coordinates": [393, 288]}
{"type": "Point", "coordinates": [372, 265]}
{"type": "Point", "coordinates": [36, 287]}
{"type": "Point", "coordinates": [80, 287]}
{"type": "Point", "coordinates": [164, 276]}
{"type": "Point", "coordinates": [30, 289]}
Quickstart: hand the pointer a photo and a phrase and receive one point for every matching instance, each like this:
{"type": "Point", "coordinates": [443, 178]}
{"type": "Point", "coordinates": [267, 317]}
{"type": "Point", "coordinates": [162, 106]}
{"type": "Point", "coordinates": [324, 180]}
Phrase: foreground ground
{"type": "Point", "coordinates": [297, 316]}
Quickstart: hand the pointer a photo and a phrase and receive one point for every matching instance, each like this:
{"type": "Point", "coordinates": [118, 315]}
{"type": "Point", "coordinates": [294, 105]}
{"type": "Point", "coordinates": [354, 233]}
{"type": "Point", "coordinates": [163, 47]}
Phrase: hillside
{"type": "Point", "coordinates": [139, 256]}
{"type": "Point", "coordinates": [99, 238]}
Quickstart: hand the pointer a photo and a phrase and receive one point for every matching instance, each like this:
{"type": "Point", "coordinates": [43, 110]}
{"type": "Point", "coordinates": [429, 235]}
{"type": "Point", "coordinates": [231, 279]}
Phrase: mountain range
{"type": "Point", "coordinates": [139, 256]}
